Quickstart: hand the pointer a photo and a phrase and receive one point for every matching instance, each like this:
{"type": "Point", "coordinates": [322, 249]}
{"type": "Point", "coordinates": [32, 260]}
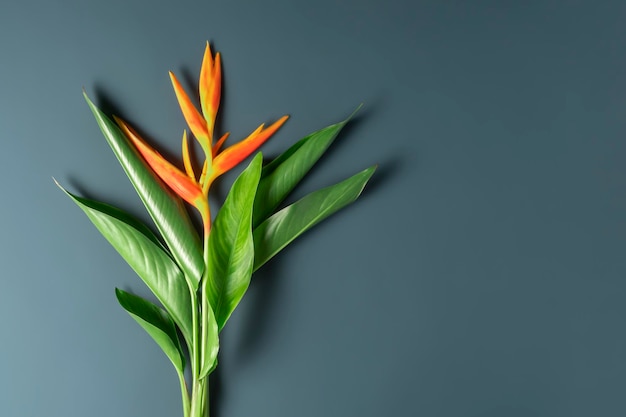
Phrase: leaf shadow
{"type": "Point", "coordinates": [105, 103]}
{"type": "Point", "coordinates": [264, 291]}
{"type": "Point", "coordinates": [111, 108]}
{"type": "Point", "coordinates": [263, 299]}
{"type": "Point", "coordinates": [267, 286]}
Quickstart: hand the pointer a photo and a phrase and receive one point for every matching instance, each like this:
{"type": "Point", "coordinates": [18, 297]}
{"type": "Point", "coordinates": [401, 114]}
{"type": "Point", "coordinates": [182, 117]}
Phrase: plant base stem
{"type": "Point", "coordinates": [199, 399]}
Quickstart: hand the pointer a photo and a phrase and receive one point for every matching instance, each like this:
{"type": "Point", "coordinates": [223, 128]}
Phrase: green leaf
{"type": "Point", "coordinates": [283, 227]}
{"type": "Point", "coordinates": [210, 340]}
{"type": "Point", "coordinates": [166, 209]}
{"type": "Point", "coordinates": [153, 265]}
{"type": "Point", "coordinates": [281, 176]}
{"type": "Point", "coordinates": [231, 250]}
{"type": "Point", "coordinates": [157, 323]}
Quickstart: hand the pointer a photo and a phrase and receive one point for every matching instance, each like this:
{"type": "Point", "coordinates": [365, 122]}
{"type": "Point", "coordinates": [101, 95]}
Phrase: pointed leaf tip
{"type": "Point", "coordinates": [284, 173]}
{"type": "Point", "coordinates": [157, 323]}
{"type": "Point", "coordinates": [279, 230]}
{"type": "Point", "coordinates": [231, 246]}
{"type": "Point", "coordinates": [167, 211]}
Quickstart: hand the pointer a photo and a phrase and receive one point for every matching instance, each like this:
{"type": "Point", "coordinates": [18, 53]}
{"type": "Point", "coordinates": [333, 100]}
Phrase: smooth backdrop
{"type": "Point", "coordinates": [482, 274]}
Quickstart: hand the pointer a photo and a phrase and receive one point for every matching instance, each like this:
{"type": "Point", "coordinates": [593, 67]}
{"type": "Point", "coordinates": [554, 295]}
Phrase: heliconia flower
{"type": "Point", "coordinates": [202, 125]}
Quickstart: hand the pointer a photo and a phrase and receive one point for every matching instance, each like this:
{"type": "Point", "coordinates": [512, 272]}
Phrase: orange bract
{"type": "Point", "coordinates": [210, 87]}
{"type": "Point", "coordinates": [194, 119]}
{"type": "Point", "coordinates": [236, 153]}
{"type": "Point", "coordinates": [202, 125]}
{"type": "Point", "coordinates": [178, 181]}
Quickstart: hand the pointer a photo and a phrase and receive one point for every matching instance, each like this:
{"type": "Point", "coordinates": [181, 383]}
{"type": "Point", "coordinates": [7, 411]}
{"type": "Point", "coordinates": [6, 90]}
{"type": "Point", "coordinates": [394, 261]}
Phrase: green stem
{"type": "Point", "coordinates": [185, 394]}
{"type": "Point", "coordinates": [193, 348]}
{"type": "Point", "coordinates": [204, 304]}
{"type": "Point", "coordinates": [194, 354]}
{"type": "Point", "coordinates": [199, 391]}
{"type": "Point", "coordinates": [199, 398]}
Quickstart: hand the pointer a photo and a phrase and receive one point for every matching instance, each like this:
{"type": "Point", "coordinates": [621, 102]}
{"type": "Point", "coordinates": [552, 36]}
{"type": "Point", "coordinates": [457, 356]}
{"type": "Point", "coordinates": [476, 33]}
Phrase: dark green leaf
{"type": "Point", "coordinates": [157, 323]}
{"type": "Point", "coordinates": [167, 210]}
{"type": "Point", "coordinates": [281, 176]}
{"type": "Point", "coordinates": [283, 227]}
{"type": "Point", "coordinates": [231, 250]}
{"type": "Point", "coordinates": [146, 258]}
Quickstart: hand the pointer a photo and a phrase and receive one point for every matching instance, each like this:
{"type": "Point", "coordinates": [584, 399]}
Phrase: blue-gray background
{"type": "Point", "coordinates": [481, 275]}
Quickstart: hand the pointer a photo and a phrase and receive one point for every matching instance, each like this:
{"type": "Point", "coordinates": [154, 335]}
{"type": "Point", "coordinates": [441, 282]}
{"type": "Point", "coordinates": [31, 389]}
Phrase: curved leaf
{"type": "Point", "coordinates": [167, 211]}
{"type": "Point", "coordinates": [210, 340]}
{"type": "Point", "coordinates": [280, 176]}
{"type": "Point", "coordinates": [231, 250]}
{"type": "Point", "coordinates": [283, 227]}
{"type": "Point", "coordinates": [153, 265]}
{"type": "Point", "coordinates": [157, 323]}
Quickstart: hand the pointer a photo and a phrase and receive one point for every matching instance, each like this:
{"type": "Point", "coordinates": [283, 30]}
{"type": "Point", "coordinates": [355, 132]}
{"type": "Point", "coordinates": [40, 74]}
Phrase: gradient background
{"type": "Point", "coordinates": [482, 274]}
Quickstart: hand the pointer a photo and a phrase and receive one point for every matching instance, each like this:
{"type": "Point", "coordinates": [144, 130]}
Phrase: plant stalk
{"type": "Point", "coordinates": [199, 398]}
{"type": "Point", "coordinates": [185, 394]}
{"type": "Point", "coordinates": [199, 391]}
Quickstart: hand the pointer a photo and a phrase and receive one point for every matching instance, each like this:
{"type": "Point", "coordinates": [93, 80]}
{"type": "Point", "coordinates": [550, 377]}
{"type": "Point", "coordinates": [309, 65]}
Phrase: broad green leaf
{"type": "Point", "coordinates": [231, 250]}
{"type": "Point", "coordinates": [283, 227]}
{"type": "Point", "coordinates": [167, 210]}
{"type": "Point", "coordinates": [153, 265]}
{"type": "Point", "coordinates": [157, 323]}
{"type": "Point", "coordinates": [281, 176]}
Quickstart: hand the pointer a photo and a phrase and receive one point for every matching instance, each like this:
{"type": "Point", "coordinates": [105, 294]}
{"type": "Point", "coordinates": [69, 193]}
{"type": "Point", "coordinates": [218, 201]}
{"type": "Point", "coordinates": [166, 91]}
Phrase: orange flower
{"type": "Point", "coordinates": [202, 124]}
{"type": "Point", "coordinates": [233, 155]}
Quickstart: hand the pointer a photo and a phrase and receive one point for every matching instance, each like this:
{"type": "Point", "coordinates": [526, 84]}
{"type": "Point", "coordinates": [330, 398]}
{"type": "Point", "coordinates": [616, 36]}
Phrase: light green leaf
{"type": "Point", "coordinates": [231, 250]}
{"type": "Point", "coordinates": [157, 323]}
{"type": "Point", "coordinates": [210, 340]}
{"type": "Point", "coordinates": [167, 210]}
{"type": "Point", "coordinates": [283, 227]}
{"type": "Point", "coordinates": [281, 176]}
{"type": "Point", "coordinates": [153, 265]}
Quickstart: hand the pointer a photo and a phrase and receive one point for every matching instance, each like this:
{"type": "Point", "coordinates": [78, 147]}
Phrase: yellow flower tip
{"type": "Point", "coordinates": [217, 79]}
{"type": "Point", "coordinates": [172, 77]}
{"type": "Point", "coordinates": [256, 131]}
{"type": "Point", "coordinates": [187, 158]}
{"type": "Point", "coordinates": [236, 153]}
{"type": "Point", "coordinates": [210, 87]}
{"type": "Point", "coordinates": [219, 143]}
{"type": "Point", "coordinates": [203, 174]}
{"type": "Point", "coordinates": [207, 63]}
{"type": "Point", "coordinates": [277, 124]}
{"type": "Point", "coordinates": [207, 51]}
{"type": "Point", "coordinates": [122, 124]}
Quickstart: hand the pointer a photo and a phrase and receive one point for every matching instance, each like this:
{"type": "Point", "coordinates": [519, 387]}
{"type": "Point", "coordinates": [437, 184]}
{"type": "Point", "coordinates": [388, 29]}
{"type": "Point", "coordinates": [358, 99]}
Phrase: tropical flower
{"type": "Point", "coordinates": [190, 187]}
